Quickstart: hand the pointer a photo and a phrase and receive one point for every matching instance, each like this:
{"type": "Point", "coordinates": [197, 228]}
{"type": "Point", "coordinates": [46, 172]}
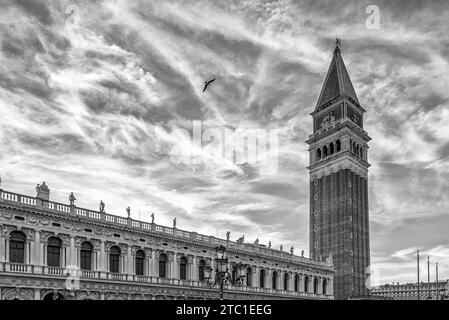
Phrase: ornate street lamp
{"type": "Point", "coordinates": [222, 275]}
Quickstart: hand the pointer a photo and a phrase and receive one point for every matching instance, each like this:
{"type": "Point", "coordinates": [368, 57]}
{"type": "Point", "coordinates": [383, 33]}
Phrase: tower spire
{"type": "Point", "coordinates": [337, 83]}
{"type": "Point", "coordinates": [337, 44]}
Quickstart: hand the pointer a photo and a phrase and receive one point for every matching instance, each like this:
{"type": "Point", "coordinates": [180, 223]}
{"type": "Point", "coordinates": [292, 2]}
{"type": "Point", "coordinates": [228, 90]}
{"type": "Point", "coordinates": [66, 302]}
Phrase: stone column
{"type": "Point", "coordinates": [255, 277]}
{"type": "Point", "coordinates": [279, 280]}
{"type": "Point", "coordinates": [152, 267]}
{"type": "Point", "coordinates": [35, 245]}
{"type": "Point", "coordinates": [7, 249]}
{"type": "Point", "coordinates": [130, 269]}
{"type": "Point", "coordinates": [267, 284]}
{"type": "Point", "coordinates": [77, 258]}
{"type": "Point", "coordinates": [72, 252]}
{"type": "Point", "coordinates": [28, 252]}
{"type": "Point", "coordinates": [301, 283]}
{"type": "Point", "coordinates": [320, 285]}
{"type": "Point", "coordinates": [330, 286]}
{"type": "Point", "coordinates": [195, 275]}
{"type": "Point", "coordinates": [146, 266]}
{"type": "Point", "coordinates": [37, 294]}
{"type": "Point", "coordinates": [44, 254]}
{"type": "Point", "coordinates": [103, 257]}
{"type": "Point", "coordinates": [122, 263]}
{"type": "Point", "coordinates": [64, 256]}
{"type": "Point", "coordinates": [2, 247]}
{"type": "Point", "coordinates": [189, 274]}
{"type": "Point", "coordinates": [311, 284]}
{"type": "Point", "coordinates": [174, 267]}
{"type": "Point", "coordinates": [291, 281]}
{"type": "Point", "coordinates": [213, 265]}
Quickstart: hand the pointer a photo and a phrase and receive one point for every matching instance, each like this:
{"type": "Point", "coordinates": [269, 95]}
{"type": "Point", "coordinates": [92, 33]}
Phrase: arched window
{"type": "Point", "coordinates": [53, 296]}
{"type": "Point", "coordinates": [338, 145]}
{"type": "Point", "coordinates": [325, 286]}
{"type": "Point", "coordinates": [331, 148]}
{"type": "Point", "coordinates": [324, 151]}
{"type": "Point", "coordinates": [54, 252]}
{"type": "Point", "coordinates": [114, 260]}
{"type": "Point", "coordinates": [201, 267]}
{"type": "Point", "coordinates": [275, 280]}
{"type": "Point", "coordinates": [140, 262]}
{"type": "Point", "coordinates": [318, 154]}
{"type": "Point", "coordinates": [249, 277]}
{"type": "Point", "coordinates": [296, 283]}
{"type": "Point", "coordinates": [285, 281]}
{"type": "Point", "coordinates": [86, 256]}
{"type": "Point", "coordinates": [183, 268]}
{"type": "Point", "coordinates": [17, 247]}
{"type": "Point", "coordinates": [262, 278]}
{"type": "Point", "coordinates": [315, 285]}
{"type": "Point", "coordinates": [306, 284]}
{"type": "Point", "coordinates": [163, 266]}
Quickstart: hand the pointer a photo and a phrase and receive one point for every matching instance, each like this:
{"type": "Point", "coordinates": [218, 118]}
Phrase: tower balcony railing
{"type": "Point", "coordinates": [15, 269]}
{"type": "Point", "coordinates": [60, 208]}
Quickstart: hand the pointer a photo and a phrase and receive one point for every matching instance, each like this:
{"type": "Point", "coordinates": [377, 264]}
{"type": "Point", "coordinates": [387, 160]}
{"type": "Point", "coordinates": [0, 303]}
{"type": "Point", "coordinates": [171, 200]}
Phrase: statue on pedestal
{"type": "Point", "coordinates": [174, 223]}
{"type": "Point", "coordinates": [102, 205]}
{"type": "Point", "coordinates": [71, 197]}
{"type": "Point", "coordinates": [128, 211]}
{"type": "Point", "coordinates": [228, 235]}
{"type": "Point", "coordinates": [152, 217]}
{"type": "Point", "coordinates": [269, 244]}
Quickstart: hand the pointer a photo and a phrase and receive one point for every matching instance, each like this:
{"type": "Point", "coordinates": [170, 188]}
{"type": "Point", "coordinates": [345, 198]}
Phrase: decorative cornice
{"type": "Point", "coordinates": [319, 171]}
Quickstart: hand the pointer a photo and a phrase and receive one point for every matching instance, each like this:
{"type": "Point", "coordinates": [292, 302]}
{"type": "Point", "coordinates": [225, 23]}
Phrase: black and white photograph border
{"type": "Point", "coordinates": [224, 150]}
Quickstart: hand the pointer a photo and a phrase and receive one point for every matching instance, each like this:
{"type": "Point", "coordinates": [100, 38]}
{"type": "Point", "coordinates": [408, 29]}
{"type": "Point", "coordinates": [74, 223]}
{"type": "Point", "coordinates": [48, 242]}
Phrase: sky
{"type": "Point", "coordinates": [97, 96]}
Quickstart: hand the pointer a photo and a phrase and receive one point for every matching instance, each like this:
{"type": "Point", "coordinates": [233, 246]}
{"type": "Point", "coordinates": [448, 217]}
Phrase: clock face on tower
{"type": "Point", "coordinates": [355, 117]}
{"type": "Point", "coordinates": [328, 118]}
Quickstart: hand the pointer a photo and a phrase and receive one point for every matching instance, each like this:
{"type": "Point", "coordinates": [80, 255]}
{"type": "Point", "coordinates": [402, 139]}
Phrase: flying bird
{"type": "Point", "coordinates": [207, 83]}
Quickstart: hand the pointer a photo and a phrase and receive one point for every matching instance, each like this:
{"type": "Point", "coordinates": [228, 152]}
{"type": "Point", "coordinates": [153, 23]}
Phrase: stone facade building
{"type": "Point", "coordinates": [51, 250]}
{"type": "Point", "coordinates": [339, 217]}
{"type": "Point", "coordinates": [409, 291]}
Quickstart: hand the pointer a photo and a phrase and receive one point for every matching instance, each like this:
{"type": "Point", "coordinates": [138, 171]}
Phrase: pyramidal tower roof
{"type": "Point", "coordinates": [337, 83]}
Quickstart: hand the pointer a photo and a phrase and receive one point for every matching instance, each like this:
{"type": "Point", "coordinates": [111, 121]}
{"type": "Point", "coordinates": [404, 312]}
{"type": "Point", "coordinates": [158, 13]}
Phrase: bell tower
{"type": "Point", "coordinates": [339, 217]}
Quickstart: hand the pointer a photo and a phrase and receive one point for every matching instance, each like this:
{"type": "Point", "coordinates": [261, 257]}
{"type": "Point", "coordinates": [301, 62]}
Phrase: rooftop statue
{"type": "Point", "coordinates": [102, 205]}
{"type": "Point", "coordinates": [241, 239]}
{"type": "Point", "coordinates": [71, 198]}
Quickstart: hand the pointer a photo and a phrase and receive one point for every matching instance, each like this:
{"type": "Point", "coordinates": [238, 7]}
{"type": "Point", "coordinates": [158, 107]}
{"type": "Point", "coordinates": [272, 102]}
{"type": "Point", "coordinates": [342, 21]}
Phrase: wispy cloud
{"type": "Point", "coordinates": [97, 110]}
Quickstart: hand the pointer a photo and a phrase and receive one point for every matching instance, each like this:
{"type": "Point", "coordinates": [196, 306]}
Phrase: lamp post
{"type": "Point", "coordinates": [436, 275]}
{"type": "Point", "coordinates": [222, 275]}
{"type": "Point", "coordinates": [428, 278]}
